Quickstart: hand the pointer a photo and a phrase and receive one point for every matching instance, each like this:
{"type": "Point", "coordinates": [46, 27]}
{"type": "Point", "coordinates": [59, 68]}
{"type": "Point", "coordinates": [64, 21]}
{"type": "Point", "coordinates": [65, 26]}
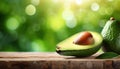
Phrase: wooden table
{"type": "Point", "coordinates": [40, 60]}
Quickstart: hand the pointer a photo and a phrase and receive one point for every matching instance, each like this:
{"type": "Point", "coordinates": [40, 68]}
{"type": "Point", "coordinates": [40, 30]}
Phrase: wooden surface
{"type": "Point", "coordinates": [37, 60]}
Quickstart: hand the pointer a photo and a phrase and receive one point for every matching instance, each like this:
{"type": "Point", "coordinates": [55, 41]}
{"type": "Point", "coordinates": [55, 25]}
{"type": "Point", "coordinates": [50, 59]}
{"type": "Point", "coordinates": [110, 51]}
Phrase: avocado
{"type": "Point", "coordinates": [69, 48]}
{"type": "Point", "coordinates": [111, 36]}
{"type": "Point", "coordinates": [107, 55]}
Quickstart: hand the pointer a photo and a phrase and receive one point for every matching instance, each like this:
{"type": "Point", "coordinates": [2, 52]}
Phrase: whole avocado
{"type": "Point", "coordinates": [111, 36]}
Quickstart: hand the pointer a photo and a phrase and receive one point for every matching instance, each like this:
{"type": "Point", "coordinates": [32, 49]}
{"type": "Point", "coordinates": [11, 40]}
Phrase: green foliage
{"type": "Point", "coordinates": [38, 25]}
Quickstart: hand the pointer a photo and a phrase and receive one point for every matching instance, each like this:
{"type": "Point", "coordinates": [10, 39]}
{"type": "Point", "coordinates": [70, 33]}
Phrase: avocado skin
{"type": "Point", "coordinates": [111, 36]}
{"type": "Point", "coordinates": [80, 53]}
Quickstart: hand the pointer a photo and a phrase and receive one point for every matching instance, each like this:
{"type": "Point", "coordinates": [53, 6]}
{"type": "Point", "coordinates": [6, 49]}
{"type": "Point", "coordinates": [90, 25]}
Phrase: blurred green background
{"type": "Point", "coordinates": [38, 25]}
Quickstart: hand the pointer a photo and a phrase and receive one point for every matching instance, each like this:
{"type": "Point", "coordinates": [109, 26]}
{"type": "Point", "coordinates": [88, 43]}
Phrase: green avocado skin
{"type": "Point", "coordinates": [80, 53]}
{"type": "Point", "coordinates": [111, 36]}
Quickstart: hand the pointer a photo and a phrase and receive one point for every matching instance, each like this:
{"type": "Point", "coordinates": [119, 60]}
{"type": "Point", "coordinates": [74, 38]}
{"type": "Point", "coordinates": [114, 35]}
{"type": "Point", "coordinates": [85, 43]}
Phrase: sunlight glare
{"type": "Point", "coordinates": [78, 2]}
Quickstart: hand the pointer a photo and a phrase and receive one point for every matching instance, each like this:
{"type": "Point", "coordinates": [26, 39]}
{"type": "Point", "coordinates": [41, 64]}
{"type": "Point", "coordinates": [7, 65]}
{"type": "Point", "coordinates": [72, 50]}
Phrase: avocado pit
{"type": "Point", "coordinates": [84, 38]}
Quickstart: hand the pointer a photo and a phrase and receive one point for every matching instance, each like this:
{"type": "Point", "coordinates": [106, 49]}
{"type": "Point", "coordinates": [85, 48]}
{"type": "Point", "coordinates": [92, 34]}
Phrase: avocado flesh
{"type": "Point", "coordinates": [67, 47]}
{"type": "Point", "coordinates": [111, 36]}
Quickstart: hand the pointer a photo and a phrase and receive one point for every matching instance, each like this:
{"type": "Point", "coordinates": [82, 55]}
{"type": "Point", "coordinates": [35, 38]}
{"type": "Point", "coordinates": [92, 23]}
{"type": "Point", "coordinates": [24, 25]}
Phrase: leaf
{"type": "Point", "coordinates": [107, 55]}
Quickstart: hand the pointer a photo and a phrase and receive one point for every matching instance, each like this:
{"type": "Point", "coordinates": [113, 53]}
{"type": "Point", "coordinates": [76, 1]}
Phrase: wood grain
{"type": "Point", "coordinates": [39, 60]}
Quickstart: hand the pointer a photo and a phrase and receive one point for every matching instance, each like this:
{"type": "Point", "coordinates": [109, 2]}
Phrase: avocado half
{"type": "Point", "coordinates": [68, 48]}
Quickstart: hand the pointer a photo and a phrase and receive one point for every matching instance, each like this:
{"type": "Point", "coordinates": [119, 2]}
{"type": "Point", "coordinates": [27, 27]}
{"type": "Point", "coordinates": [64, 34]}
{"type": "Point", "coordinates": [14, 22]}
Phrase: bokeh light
{"type": "Point", "coordinates": [12, 23]}
{"type": "Point", "coordinates": [37, 45]}
{"type": "Point", "coordinates": [71, 23]}
{"type": "Point", "coordinates": [95, 6]}
{"type": "Point", "coordinates": [67, 15]}
{"type": "Point", "coordinates": [30, 9]}
{"type": "Point", "coordinates": [69, 18]}
{"type": "Point", "coordinates": [35, 2]}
